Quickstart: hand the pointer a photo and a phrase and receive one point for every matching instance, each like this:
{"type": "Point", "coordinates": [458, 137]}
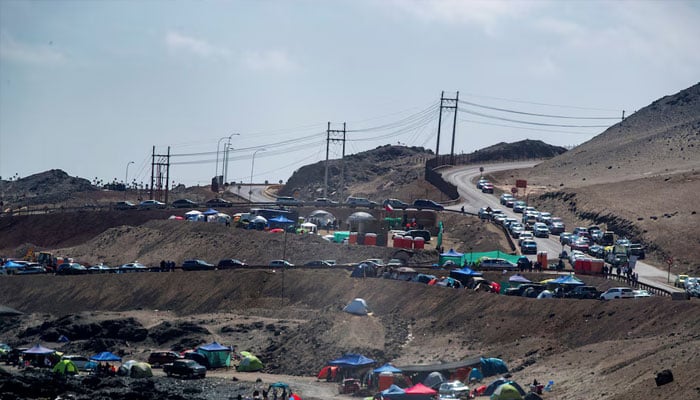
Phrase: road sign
{"type": "Point", "coordinates": [514, 190]}
{"type": "Point", "coordinates": [521, 183]}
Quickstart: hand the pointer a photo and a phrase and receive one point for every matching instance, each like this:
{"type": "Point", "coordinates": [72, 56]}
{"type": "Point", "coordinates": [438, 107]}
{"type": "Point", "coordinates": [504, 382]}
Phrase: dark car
{"type": "Point", "coordinates": [159, 358]}
{"type": "Point", "coordinates": [184, 203]}
{"type": "Point", "coordinates": [325, 202]}
{"type": "Point", "coordinates": [218, 202]}
{"type": "Point", "coordinates": [352, 202]}
{"type": "Point", "coordinates": [197, 265]}
{"type": "Point", "coordinates": [395, 204]}
{"type": "Point", "coordinates": [583, 292]}
{"type": "Point", "coordinates": [636, 249]}
{"type": "Point", "coordinates": [124, 205]}
{"type": "Point", "coordinates": [71, 269]}
{"type": "Point", "coordinates": [427, 204]}
{"type": "Point", "coordinates": [318, 264]}
{"type": "Point", "coordinates": [229, 263]}
{"type": "Point", "coordinates": [151, 204]}
{"type": "Point", "coordinates": [185, 368]}
{"type": "Point", "coordinates": [414, 233]}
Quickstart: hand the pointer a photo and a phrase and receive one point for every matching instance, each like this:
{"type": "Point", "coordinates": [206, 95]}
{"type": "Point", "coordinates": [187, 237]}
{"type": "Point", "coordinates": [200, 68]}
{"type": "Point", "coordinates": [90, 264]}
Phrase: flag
{"type": "Point", "coordinates": [388, 207]}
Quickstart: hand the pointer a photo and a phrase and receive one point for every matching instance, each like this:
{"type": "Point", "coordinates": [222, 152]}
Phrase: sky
{"type": "Point", "coordinates": [89, 86]}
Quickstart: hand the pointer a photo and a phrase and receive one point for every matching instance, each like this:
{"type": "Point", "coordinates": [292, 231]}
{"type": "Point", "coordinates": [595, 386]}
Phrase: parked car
{"type": "Point", "coordinates": [487, 187]}
{"type": "Point", "coordinates": [636, 249]}
{"type": "Point", "coordinates": [151, 204]}
{"type": "Point", "coordinates": [185, 368]}
{"type": "Point", "coordinates": [30, 269]}
{"type": "Point", "coordinates": [414, 233]}
{"type": "Point", "coordinates": [421, 204]}
{"type": "Point", "coordinates": [159, 358]}
{"type": "Point", "coordinates": [505, 197]}
{"type": "Point", "coordinates": [132, 267]}
{"type": "Point", "coordinates": [395, 204]}
{"type": "Point", "coordinates": [453, 390]}
{"type": "Point", "coordinates": [100, 269]}
{"type": "Point", "coordinates": [218, 202]}
{"type": "Point", "coordinates": [184, 203]}
{"type": "Point", "coordinates": [124, 205]}
{"type": "Point", "coordinates": [528, 247]}
{"type": "Point", "coordinates": [583, 292]}
{"type": "Point", "coordinates": [641, 293]}
{"type": "Point", "coordinates": [318, 264]}
{"type": "Point", "coordinates": [496, 263]}
{"type": "Point", "coordinates": [288, 201]}
{"type": "Point", "coordinates": [228, 263]}
{"type": "Point", "coordinates": [617, 293]}
{"type": "Point", "coordinates": [71, 269]}
{"type": "Point", "coordinates": [325, 202]}
{"type": "Point", "coordinates": [281, 264]}
{"type": "Point", "coordinates": [197, 265]}
{"type": "Point", "coordinates": [480, 183]}
{"type": "Point", "coordinates": [81, 362]}
{"type": "Point", "coordinates": [353, 201]}
{"type": "Point", "coordinates": [680, 281]}
{"type": "Point", "coordinates": [519, 206]}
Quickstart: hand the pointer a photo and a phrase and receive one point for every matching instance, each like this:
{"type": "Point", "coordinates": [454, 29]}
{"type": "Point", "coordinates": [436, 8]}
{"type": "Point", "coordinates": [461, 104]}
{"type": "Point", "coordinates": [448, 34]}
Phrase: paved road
{"type": "Point", "coordinates": [258, 192]}
{"type": "Point", "coordinates": [464, 177]}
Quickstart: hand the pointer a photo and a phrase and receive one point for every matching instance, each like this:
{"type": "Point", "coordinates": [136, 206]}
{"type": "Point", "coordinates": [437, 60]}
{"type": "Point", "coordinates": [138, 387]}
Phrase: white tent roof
{"type": "Point", "coordinates": [357, 307]}
{"type": "Point", "coordinates": [193, 212]}
{"type": "Point", "coordinates": [308, 225]}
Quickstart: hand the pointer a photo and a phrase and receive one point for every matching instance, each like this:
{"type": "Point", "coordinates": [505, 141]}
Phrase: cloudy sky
{"type": "Point", "coordinates": [89, 86]}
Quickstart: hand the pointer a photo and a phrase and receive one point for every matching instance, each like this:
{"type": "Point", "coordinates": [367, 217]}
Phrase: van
{"type": "Point", "coordinates": [288, 201]}
{"type": "Point", "coordinates": [608, 238]}
{"type": "Point", "coordinates": [352, 201]}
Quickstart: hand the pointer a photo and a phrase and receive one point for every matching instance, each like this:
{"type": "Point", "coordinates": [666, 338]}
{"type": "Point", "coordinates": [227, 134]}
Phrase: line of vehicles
{"type": "Point", "coordinates": [286, 201]}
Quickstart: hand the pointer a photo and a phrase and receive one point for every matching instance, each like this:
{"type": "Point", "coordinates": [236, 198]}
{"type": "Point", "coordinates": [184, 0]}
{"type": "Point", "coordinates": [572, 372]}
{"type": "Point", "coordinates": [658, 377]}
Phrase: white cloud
{"type": "Point", "coordinates": [485, 14]}
{"type": "Point", "coordinates": [15, 51]}
{"type": "Point", "coordinates": [179, 42]}
{"type": "Point", "coordinates": [269, 60]}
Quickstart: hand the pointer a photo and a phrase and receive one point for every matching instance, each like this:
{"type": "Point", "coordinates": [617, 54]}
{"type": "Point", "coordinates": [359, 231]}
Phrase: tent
{"type": "Point", "coordinates": [194, 215]}
{"type": "Point", "coordinates": [216, 354]}
{"type": "Point", "coordinates": [326, 371]}
{"type": "Point", "coordinates": [39, 350]}
{"type": "Point", "coordinates": [475, 375]}
{"type": "Point", "coordinates": [210, 211]}
{"type": "Point", "coordinates": [249, 363]}
{"type": "Point", "coordinates": [451, 255]}
{"type": "Point", "coordinates": [434, 379]}
{"type": "Point", "coordinates": [394, 393]}
{"type": "Point", "coordinates": [309, 227]}
{"type": "Point", "coordinates": [357, 307]}
{"type": "Point", "coordinates": [360, 221]}
{"type": "Point", "coordinates": [321, 218]}
{"type": "Point", "coordinates": [491, 388]}
{"type": "Point", "coordinates": [136, 369]}
{"type": "Point", "coordinates": [493, 366]}
{"type": "Point", "coordinates": [387, 368]}
{"type": "Point", "coordinates": [567, 280]}
{"type": "Point", "coordinates": [545, 294]}
{"type": "Point", "coordinates": [351, 360]}
{"type": "Point", "coordinates": [517, 278]}
{"type": "Point", "coordinates": [506, 392]}
{"type": "Point", "coordinates": [64, 367]}
{"type": "Point", "coordinates": [105, 356]}
{"type": "Point", "coordinates": [419, 388]}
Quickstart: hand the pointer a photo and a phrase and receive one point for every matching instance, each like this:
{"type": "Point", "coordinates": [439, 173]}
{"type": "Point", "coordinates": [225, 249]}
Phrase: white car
{"type": "Point", "coordinates": [150, 204]}
{"type": "Point", "coordinates": [617, 293]}
{"type": "Point", "coordinates": [281, 264]}
{"type": "Point", "coordinates": [641, 293]}
{"type": "Point", "coordinates": [525, 235]}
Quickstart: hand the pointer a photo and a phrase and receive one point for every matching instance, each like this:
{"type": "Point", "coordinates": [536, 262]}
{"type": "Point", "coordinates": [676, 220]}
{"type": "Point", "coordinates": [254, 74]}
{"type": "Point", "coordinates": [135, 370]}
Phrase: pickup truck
{"type": "Point", "coordinates": [185, 368]}
{"type": "Point", "coordinates": [583, 292]}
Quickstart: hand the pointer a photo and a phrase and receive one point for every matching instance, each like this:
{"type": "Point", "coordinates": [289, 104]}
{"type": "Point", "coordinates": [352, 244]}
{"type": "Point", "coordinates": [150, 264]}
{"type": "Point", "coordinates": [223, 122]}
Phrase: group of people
{"type": "Point", "coordinates": [167, 266]}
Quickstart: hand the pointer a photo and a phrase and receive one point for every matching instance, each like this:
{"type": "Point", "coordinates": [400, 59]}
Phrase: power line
{"type": "Point", "coordinates": [542, 104]}
{"type": "Point", "coordinates": [534, 114]}
{"type": "Point", "coordinates": [531, 123]}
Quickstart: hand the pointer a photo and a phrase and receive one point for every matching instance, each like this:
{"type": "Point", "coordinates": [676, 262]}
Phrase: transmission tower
{"type": "Point", "coordinates": [160, 170]}
{"type": "Point", "coordinates": [334, 135]}
{"type": "Point", "coordinates": [447, 104]}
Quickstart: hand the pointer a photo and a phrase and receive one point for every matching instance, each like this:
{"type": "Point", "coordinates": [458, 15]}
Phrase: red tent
{"type": "Point", "coordinates": [420, 388]}
{"type": "Point", "coordinates": [323, 373]}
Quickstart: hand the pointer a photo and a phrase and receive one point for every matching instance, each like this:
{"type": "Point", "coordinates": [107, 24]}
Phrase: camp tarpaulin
{"type": "Point", "coordinates": [352, 360]}
{"type": "Point", "coordinates": [567, 280]}
{"type": "Point", "coordinates": [474, 257]}
{"type": "Point", "coordinates": [493, 366]}
{"type": "Point", "coordinates": [216, 354]}
{"type": "Point", "coordinates": [451, 255]}
{"type": "Point", "coordinates": [387, 368]}
{"type": "Point", "coordinates": [357, 307]}
{"type": "Point", "coordinates": [464, 274]}
{"type": "Point", "coordinates": [106, 357]}
{"type": "Point", "coordinates": [210, 211]}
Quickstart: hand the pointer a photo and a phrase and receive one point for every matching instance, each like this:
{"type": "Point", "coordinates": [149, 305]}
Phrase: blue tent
{"type": "Point", "coordinates": [567, 280]}
{"type": "Point", "coordinates": [352, 360]}
{"type": "Point", "coordinates": [464, 274]}
{"type": "Point", "coordinates": [216, 354]}
{"type": "Point", "coordinates": [211, 211]}
{"type": "Point", "coordinates": [387, 368]}
{"type": "Point", "coordinates": [105, 356]}
{"type": "Point", "coordinates": [493, 366]}
{"type": "Point", "coordinates": [281, 219]}
{"type": "Point", "coordinates": [451, 255]}
{"type": "Point", "coordinates": [519, 279]}
{"type": "Point", "coordinates": [394, 392]}
{"type": "Point", "coordinates": [476, 375]}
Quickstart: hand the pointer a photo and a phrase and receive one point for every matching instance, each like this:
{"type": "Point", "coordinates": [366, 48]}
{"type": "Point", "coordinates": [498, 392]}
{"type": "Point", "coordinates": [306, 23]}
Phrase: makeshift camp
{"type": "Point", "coordinates": [135, 369]}
{"type": "Point", "coordinates": [105, 356]}
{"type": "Point", "coordinates": [357, 307]}
{"type": "Point", "coordinates": [434, 379]}
{"type": "Point", "coordinates": [328, 373]}
{"type": "Point", "coordinates": [491, 388]}
{"type": "Point", "coordinates": [451, 255]}
{"type": "Point", "coordinates": [493, 366]}
{"type": "Point", "coordinates": [39, 350]}
{"type": "Point", "coordinates": [217, 355]}
{"type": "Point", "coordinates": [249, 363]}
{"type": "Point", "coordinates": [65, 367]}
{"type": "Point", "coordinates": [506, 392]}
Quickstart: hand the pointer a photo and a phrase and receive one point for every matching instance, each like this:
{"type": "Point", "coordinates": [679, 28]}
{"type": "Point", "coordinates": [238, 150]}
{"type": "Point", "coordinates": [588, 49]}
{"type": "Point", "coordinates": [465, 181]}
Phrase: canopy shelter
{"type": "Point", "coordinates": [393, 393]}
{"type": "Point", "coordinates": [361, 221]}
{"type": "Point", "coordinates": [567, 280]}
{"type": "Point", "coordinates": [105, 356]}
{"type": "Point", "coordinates": [387, 368]}
{"type": "Point", "coordinates": [195, 215]}
{"type": "Point", "coordinates": [210, 211]}
{"type": "Point", "coordinates": [216, 354]}
{"type": "Point", "coordinates": [321, 218]}
{"type": "Point", "coordinates": [352, 361]}
{"type": "Point", "coordinates": [451, 255]}
{"type": "Point", "coordinates": [517, 278]}
{"type": "Point", "coordinates": [39, 350]}
{"type": "Point", "coordinates": [420, 388]}
{"type": "Point", "coordinates": [464, 275]}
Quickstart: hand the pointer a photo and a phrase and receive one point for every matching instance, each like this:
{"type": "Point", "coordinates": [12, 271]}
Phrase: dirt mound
{"type": "Point", "coordinates": [522, 150]}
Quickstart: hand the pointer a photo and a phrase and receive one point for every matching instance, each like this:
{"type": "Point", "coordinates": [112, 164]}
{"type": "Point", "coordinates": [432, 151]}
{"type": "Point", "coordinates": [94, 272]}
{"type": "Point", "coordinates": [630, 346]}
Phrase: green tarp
{"type": "Point", "coordinates": [474, 257]}
{"type": "Point", "coordinates": [249, 363]}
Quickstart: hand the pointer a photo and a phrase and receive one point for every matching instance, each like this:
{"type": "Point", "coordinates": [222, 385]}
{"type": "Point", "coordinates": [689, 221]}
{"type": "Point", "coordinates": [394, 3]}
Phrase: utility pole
{"type": "Point", "coordinates": [160, 165]}
{"type": "Point", "coordinates": [447, 104]}
{"type": "Point", "coordinates": [334, 135]}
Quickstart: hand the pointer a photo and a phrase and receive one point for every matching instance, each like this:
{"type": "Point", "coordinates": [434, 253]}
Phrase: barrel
{"type": "Point", "coordinates": [386, 379]}
{"type": "Point", "coordinates": [352, 239]}
{"type": "Point", "coordinates": [397, 241]}
{"type": "Point", "coordinates": [371, 239]}
{"type": "Point", "coordinates": [418, 243]}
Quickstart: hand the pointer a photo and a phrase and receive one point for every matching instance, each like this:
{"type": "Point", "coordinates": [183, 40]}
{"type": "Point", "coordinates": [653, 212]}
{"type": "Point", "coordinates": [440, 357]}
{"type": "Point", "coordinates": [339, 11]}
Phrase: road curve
{"type": "Point", "coordinates": [471, 198]}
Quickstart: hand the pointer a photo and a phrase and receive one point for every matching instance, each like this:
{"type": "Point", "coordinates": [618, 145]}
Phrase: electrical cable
{"type": "Point", "coordinates": [534, 114]}
{"type": "Point", "coordinates": [541, 104]}
{"type": "Point", "coordinates": [531, 123]}
{"type": "Point", "coordinates": [524, 127]}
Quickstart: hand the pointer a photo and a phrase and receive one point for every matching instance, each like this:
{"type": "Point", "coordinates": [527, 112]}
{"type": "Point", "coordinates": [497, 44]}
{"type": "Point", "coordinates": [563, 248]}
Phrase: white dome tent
{"type": "Point", "coordinates": [357, 307]}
